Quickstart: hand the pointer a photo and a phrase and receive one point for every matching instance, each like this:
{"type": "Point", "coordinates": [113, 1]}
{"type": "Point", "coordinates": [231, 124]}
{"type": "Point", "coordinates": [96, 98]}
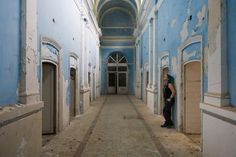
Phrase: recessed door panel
{"type": "Point", "coordinates": [192, 98]}
{"type": "Point", "coordinates": [122, 83]}
{"type": "Point", "coordinates": [49, 98]}
{"type": "Point", "coordinates": [112, 82]}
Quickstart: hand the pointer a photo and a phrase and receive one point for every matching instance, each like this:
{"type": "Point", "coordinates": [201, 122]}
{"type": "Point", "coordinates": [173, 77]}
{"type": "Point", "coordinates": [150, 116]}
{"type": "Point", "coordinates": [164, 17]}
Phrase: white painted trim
{"type": "Point", "coordinates": [160, 67]}
{"type": "Point", "coordinates": [77, 80]}
{"type": "Point", "coordinates": [180, 77]}
{"type": "Point", "coordinates": [59, 82]}
{"type": "Point", "coordinates": [118, 47]}
{"type": "Point", "coordinates": [224, 112]}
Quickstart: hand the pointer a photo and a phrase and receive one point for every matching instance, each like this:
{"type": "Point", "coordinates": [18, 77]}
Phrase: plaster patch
{"type": "Point", "coordinates": [188, 55]}
{"type": "Point", "coordinates": [184, 32]}
{"type": "Point", "coordinates": [200, 15]}
{"type": "Point", "coordinates": [206, 60]}
{"type": "Point", "coordinates": [189, 7]}
{"type": "Point", "coordinates": [174, 65]}
{"type": "Point", "coordinates": [20, 151]}
{"type": "Point", "coordinates": [173, 22]}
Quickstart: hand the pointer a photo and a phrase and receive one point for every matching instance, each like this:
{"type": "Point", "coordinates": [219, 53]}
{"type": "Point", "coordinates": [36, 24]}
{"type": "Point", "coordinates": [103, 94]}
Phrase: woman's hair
{"type": "Point", "coordinates": [171, 79]}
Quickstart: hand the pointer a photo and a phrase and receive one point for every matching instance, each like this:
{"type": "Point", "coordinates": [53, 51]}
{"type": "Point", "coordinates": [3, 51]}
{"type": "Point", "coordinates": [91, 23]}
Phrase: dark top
{"type": "Point", "coordinates": [166, 90]}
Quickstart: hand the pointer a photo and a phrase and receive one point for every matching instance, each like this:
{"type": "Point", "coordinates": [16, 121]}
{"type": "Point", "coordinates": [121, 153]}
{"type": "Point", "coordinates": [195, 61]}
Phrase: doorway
{"type": "Point", "coordinates": [94, 87]}
{"type": "Point", "coordinates": [72, 93]}
{"type": "Point", "coordinates": [49, 95]}
{"type": "Point", "coordinates": [192, 98]}
{"type": "Point", "coordinates": [117, 69]}
{"type": "Point", "coordinates": [164, 71]}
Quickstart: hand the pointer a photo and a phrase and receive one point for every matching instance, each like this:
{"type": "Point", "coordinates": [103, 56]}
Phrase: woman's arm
{"type": "Point", "coordinates": [172, 88]}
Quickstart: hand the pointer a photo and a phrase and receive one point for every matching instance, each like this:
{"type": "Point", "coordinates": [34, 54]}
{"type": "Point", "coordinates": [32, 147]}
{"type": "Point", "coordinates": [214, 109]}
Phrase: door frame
{"type": "Point", "coordinates": [145, 82]}
{"type": "Point", "coordinates": [180, 77]}
{"type": "Point", "coordinates": [57, 61]}
{"type": "Point", "coordinates": [74, 63]}
{"type": "Point", "coordinates": [164, 63]}
{"type": "Point", "coordinates": [75, 96]}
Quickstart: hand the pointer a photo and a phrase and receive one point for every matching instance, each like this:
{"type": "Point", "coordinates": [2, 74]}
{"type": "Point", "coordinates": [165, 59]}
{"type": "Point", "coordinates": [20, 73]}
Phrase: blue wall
{"type": "Point", "coordinates": [231, 14]}
{"type": "Point", "coordinates": [171, 25]}
{"type": "Point", "coordinates": [9, 51]}
{"type": "Point", "coordinates": [174, 28]}
{"type": "Point", "coordinates": [56, 20]}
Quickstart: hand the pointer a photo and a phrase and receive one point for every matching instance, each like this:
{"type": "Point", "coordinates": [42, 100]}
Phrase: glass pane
{"type": "Point", "coordinates": [111, 68]}
{"type": "Point", "coordinates": [119, 57]}
{"type": "Point", "coordinates": [110, 60]}
{"type": "Point", "coordinates": [123, 60]}
{"type": "Point", "coordinates": [122, 80]}
{"type": "Point", "coordinates": [112, 79]}
{"type": "Point", "coordinates": [122, 68]}
{"type": "Point", "coordinates": [114, 57]}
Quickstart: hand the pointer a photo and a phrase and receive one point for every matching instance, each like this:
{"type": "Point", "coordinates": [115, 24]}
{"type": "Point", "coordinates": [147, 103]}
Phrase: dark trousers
{"type": "Point", "coordinates": [167, 112]}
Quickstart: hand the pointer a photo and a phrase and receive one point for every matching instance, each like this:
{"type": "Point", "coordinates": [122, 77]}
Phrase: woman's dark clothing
{"type": "Point", "coordinates": [168, 105]}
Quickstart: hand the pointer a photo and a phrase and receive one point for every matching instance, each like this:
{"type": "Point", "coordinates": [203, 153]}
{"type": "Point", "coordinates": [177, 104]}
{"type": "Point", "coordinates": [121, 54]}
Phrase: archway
{"type": "Point", "coordinates": [72, 93]}
{"type": "Point", "coordinates": [164, 70]}
{"type": "Point", "coordinates": [117, 74]}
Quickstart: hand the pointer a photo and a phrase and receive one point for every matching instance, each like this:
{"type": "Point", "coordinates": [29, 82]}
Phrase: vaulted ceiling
{"type": "Point", "coordinates": [103, 7]}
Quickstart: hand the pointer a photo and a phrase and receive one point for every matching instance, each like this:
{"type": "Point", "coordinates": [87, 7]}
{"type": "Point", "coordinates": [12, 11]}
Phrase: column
{"type": "Point", "coordinates": [217, 57]}
{"type": "Point", "coordinates": [154, 53]}
{"type": "Point", "coordinates": [82, 54]}
{"type": "Point", "coordinates": [86, 56]}
{"type": "Point", "coordinates": [137, 61]}
{"type": "Point", "coordinates": [29, 86]}
{"type": "Point", "coordinates": [150, 53]}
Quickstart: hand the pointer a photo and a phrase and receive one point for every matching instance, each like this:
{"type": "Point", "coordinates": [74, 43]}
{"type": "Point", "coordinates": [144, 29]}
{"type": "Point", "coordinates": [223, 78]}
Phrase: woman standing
{"type": "Point", "coordinates": [169, 100]}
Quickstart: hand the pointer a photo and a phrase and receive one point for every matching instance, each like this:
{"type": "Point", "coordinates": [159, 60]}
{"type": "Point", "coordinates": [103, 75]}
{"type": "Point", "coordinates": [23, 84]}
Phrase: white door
{"type": "Point", "coordinates": [49, 98]}
{"type": "Point", "coordinates": [192, 98]}
{"type": "Point", "coordinates": [122, 83]}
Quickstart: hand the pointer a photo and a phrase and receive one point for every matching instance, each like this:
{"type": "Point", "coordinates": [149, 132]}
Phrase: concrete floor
{"type": "Point", "coordinates": [119, 126]}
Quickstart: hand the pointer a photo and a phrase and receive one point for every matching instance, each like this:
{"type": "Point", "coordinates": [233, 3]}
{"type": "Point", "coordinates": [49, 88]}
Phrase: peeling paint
{"type": "Point", "coordinates": [173, 22]}
{"type": "Point", "coordinates": [20, 151]}
{"type": "Point", "coordinates": [184, 32]}
{"type": "Point", "coordinates": [201, 14]}
{"type": "Point", "coordinates": [174, 65]}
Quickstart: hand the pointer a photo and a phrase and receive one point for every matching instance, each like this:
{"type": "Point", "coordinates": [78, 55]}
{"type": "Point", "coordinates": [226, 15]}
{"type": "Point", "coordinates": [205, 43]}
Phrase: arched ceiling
{"type": "Point", "coordinates": [129, 6]}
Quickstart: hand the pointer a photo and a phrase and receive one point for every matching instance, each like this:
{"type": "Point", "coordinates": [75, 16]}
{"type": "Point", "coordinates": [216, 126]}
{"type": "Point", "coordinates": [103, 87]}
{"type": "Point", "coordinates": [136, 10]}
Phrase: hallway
{"type": "Point", "coordinates": [98, 78]}
{"type": "Point", "coordinates": [119, 126]}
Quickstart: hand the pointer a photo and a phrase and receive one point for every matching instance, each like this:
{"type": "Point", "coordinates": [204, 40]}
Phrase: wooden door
{"type": "Point", "coordinates": [49, 98]}
{"type": "Point", "coordinates": [192, 98]}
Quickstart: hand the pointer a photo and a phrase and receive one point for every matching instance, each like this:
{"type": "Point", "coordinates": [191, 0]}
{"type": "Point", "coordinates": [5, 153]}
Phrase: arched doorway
{"type": "Point", "coordinates": [49, 86]}
{"type": "Point", "coordinates": [164, 70]}
{"type": "Point", "coordinates": [192, 98]}
{"type": "Point", "coordinates": [72, 93]}
{"type": "Point", "coordinates": [117, 74]}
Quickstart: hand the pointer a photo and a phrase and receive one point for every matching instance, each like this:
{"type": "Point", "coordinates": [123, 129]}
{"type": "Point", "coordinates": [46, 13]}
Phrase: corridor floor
{"type": "Point", "coordinates": [119, 126]}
